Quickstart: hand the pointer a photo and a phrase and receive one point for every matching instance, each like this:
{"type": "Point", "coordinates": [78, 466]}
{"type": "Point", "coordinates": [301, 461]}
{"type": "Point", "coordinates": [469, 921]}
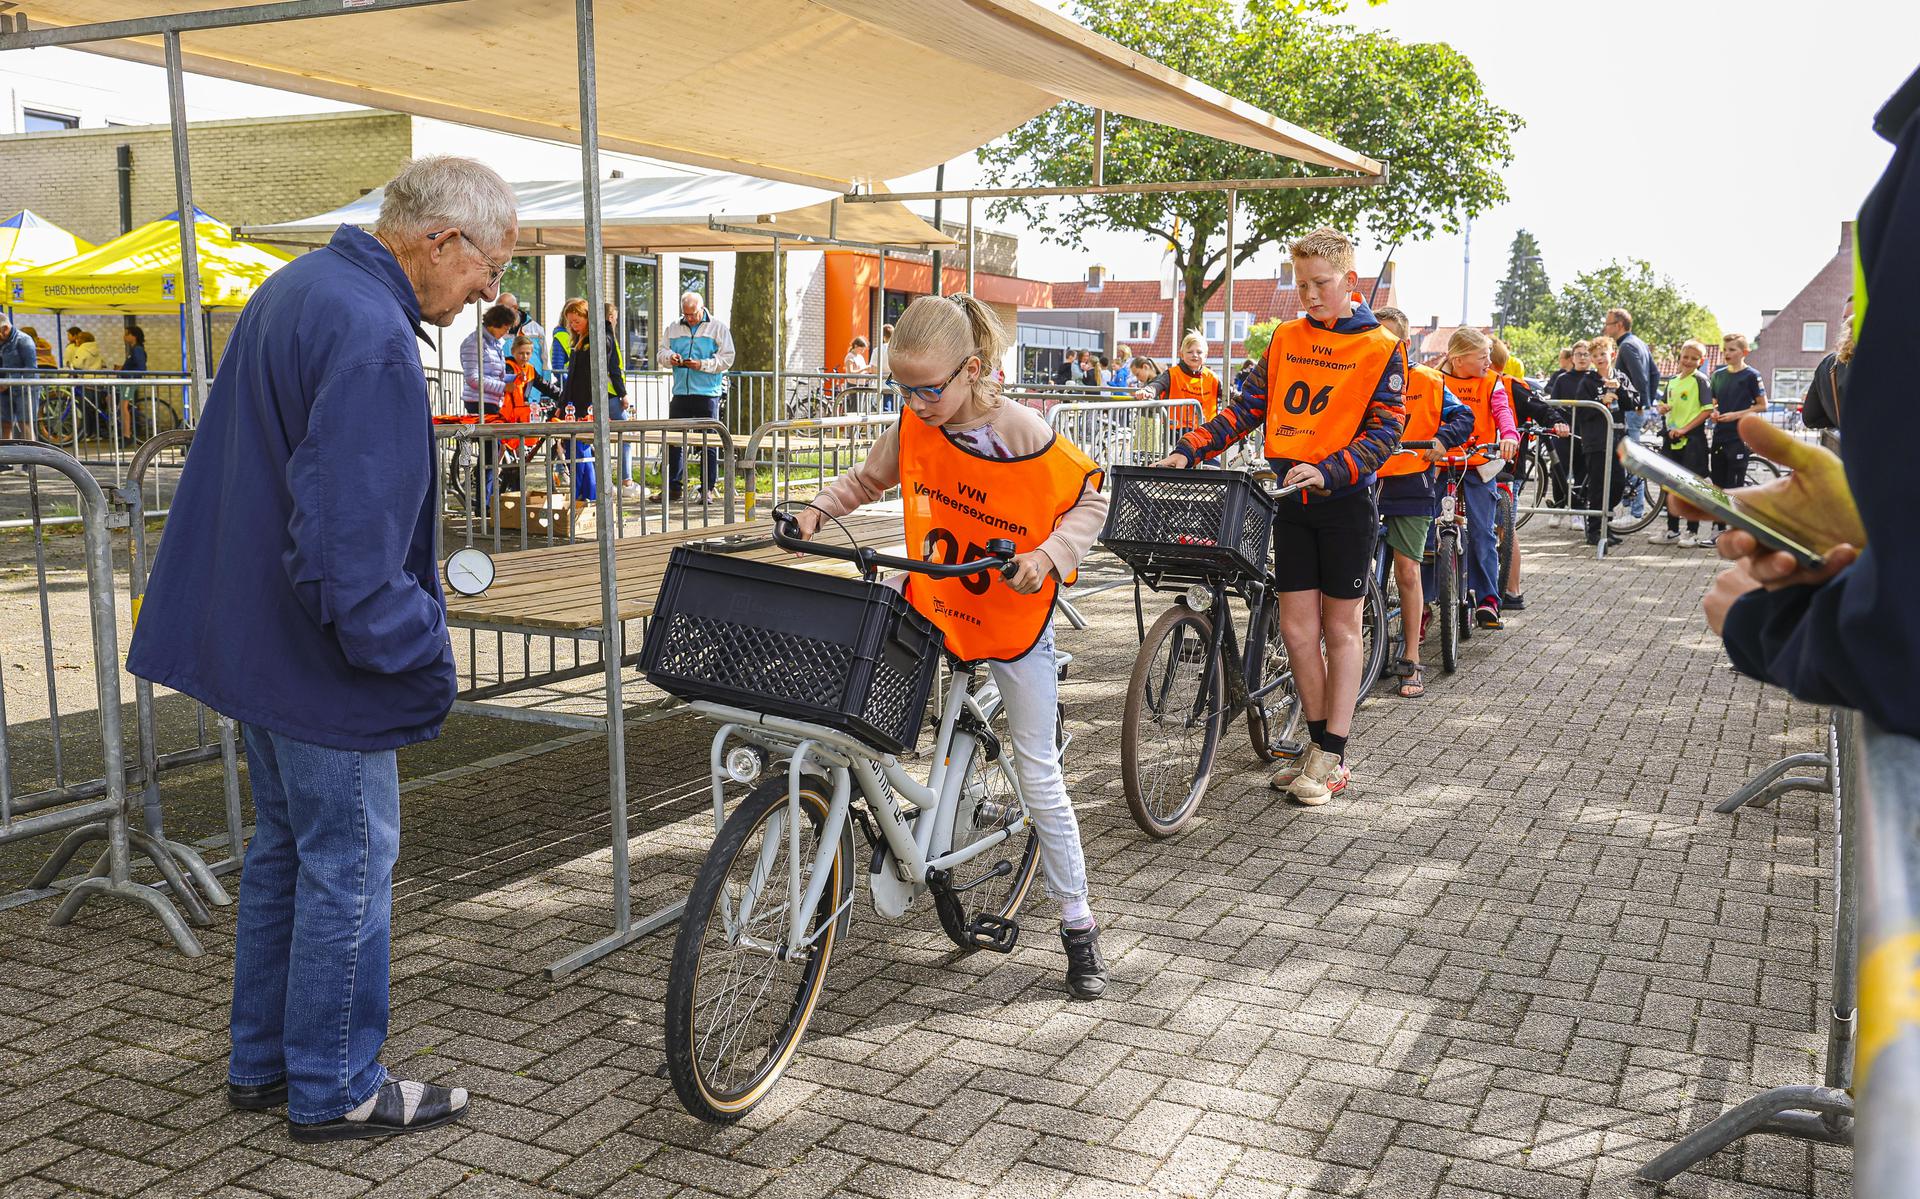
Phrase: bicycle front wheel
{"type": "Point", "coordinates": [990, 803]}
{"type": "Point", "coordinates": [1273, 720]}
{"type": "Point", "coordinates": [739, 995]}
{"type": "Point", "coordinates": [1446, 580]}
{"type": "Point", "coordinates": [1504, 530]}
{"type": "Point", "coordinates": [1171, 725]}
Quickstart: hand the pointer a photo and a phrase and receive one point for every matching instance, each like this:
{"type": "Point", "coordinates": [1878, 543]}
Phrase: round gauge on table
{"type": "Point", "coordinates": [469, 570]}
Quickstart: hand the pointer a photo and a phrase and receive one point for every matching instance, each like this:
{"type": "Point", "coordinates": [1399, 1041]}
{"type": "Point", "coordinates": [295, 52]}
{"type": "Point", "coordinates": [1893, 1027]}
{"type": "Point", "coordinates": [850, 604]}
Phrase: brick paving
{"type": "Point", "coordinates": [1518, 960]}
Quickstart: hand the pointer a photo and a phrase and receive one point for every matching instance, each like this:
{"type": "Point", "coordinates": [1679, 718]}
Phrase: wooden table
{"type": "Point", "coordinates": [557, 590]}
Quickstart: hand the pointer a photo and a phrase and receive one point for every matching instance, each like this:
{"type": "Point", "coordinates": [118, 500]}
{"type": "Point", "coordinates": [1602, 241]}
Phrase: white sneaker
{"type": "Point", "coordinates": [1705, 541]}
{"type": "Point", "coordinates": [1290, 769]}
{"type": "Point", "coordinates": [1665, 537]}
{"type": "Point", "coordinates": [1321, 778]}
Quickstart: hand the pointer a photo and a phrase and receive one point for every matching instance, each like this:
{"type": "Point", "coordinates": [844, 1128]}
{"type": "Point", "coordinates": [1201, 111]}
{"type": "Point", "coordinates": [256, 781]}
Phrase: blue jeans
{"type": "Point", "coordinates": [1636, 486]}
{"type": "Point", "coordinates": [1483, 552]}
{"type": "Point", "coordinates": [684, 407]}
{"type": "Point", "coordinates": [316, 913]}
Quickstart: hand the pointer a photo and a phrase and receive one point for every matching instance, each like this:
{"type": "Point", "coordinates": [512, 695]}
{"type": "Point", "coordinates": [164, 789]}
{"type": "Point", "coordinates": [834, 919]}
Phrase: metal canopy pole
{"type": "Point", "coordinates": [1099, 147]}
{"type": "Point", "coordinates": [189, 232]}
{"type": "Point", "coordinates": [1226, 337]}
{"type": "Point", "coordinates": [625, 932]}
{"type": "Point", "coordinates": [779, 325]}
{"type": "Point", "coordinates": [971, 245]}
{"type": "Point", "coordinates": [1124, 189]}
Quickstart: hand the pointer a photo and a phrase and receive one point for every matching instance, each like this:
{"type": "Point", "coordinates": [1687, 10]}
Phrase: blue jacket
{"type": "Point", "coordinates": [296, 587]}
{"type": "Point", "coordinates": [17, 354]}
{"type": "Point", "coordinates": [707, 341]}
{"type": "Point", "coordinates": [1855, 640]}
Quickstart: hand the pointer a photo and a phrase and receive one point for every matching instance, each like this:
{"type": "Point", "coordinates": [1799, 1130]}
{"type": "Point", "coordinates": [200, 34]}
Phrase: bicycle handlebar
{"type": "Point", "coordinates": [1000, 555]}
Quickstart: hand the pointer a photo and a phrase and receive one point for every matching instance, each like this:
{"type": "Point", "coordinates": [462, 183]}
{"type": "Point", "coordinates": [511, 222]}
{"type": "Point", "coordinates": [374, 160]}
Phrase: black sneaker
{"type": "Point", "coordinates": [1086, 969]}
{"type": "Point", "coordinates": [1486, 616]}
{"type": "Point", "coordinates": [262, 1098]}
{"type": "Point", "coordinates": [1512, 603]}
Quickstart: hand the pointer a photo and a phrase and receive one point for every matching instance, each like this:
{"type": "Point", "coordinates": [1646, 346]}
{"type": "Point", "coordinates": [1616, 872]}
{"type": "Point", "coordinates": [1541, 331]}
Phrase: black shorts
{"type": "Point", "coordinates": [1326, 546]}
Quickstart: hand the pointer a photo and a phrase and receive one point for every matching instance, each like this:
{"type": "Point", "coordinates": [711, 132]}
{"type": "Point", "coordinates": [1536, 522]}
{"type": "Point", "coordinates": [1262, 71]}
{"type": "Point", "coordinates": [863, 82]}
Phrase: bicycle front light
{"type": "Point", "coordinates": [1199, 598]}
{"type": "Point", "coordinates": [744, 764]}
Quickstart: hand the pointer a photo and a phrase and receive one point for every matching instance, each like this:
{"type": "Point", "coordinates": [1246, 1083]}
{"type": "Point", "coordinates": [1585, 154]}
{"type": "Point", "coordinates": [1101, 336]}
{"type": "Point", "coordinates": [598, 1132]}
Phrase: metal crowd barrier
{"type": "Point", "coordinates": [1123, 432]}
{"type": "Point", "coordinates": [101, 419]}
{"type": "Point", "coordinates": [1572, 484]}
{"type": "Point", "coordinates": [803, 455]}
{"type": "Point", "coordinates": [95, 809]}
{"type": "Point", "coordinates": [1869, 1095]}
{"type": "Point", "coordinates": [524, 486]}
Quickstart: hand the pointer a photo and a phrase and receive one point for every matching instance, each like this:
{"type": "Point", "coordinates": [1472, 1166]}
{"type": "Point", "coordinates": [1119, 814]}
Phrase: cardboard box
{"type": "Point", "coordinates": [543, 514]}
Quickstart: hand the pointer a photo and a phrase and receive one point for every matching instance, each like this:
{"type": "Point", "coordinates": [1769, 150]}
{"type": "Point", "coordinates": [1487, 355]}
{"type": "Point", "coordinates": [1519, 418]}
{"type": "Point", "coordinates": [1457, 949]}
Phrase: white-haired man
{"type": "Point", "coordinates": [297, 592]}
{"type": "Point", "coordinates": [700, 351]}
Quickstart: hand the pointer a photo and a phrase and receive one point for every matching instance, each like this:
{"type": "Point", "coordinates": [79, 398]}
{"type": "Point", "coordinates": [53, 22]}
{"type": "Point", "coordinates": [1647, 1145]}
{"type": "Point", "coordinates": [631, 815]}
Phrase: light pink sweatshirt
{"type": "Point", "coordinates": [1023, 431]}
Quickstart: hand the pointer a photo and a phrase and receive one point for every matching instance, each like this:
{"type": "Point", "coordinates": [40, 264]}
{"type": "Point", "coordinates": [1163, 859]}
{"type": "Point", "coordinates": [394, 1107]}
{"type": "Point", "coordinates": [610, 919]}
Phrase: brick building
{"type": "Point", "coordinates": [1799, 335]}
{"type": "Point", "coordinates": [1143, 315]}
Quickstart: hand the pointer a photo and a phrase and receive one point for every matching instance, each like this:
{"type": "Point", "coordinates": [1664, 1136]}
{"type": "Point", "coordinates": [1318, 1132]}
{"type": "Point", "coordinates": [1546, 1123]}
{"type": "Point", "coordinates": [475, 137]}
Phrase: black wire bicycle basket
{"type": "Point", "coordinates": [850, 655]}
{"type": "Point", "coordinates": [1170, 524]}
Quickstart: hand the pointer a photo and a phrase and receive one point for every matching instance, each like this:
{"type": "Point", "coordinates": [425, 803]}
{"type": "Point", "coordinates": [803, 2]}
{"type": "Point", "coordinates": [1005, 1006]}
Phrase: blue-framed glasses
{"type": "Point", "coordinates": [925, 395]}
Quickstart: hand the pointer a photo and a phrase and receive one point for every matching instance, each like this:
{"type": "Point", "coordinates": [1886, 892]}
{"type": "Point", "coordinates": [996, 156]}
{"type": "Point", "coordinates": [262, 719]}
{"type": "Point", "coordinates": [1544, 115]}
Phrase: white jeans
{"type": "Point", "coordinates": [1030, 691]}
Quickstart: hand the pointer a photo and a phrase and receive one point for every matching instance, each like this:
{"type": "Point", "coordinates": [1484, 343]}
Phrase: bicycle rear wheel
{"type": "Point", "coordinates": [989, 803]}
{"type": "Point", "coordinates": [1273, 720]}
{"type": "Point", "coordinates": [1504, 530]}
{"type": "Point", "coordinates": [1171, 725]}
{"type": "Point", "coordinates": [1446, 580]}
{"type": "Point", "coordinates": [738, 995]}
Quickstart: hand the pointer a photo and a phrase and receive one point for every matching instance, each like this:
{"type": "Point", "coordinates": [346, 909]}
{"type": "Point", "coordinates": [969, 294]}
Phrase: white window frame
{"type": "Point", "coordinates": [1790, 383]}
{"type": "Point", "coordinates": [1210, 326]}
{"type": "Point", "coordinates": [1813, 337]}
{"type": "Point", "coordinates": [1129, 319]}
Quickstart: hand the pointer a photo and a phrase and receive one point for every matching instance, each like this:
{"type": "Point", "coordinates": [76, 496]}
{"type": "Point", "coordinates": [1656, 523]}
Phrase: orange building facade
{"type": "Point", "coordinates": [853, 294]}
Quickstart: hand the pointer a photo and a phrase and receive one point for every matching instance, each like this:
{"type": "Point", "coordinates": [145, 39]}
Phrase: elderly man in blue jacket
{"type": "Point", "coordinates": [296, 591]}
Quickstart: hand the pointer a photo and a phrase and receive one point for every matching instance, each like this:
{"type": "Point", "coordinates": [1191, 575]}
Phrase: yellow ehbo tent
{"type": "Point", "coordinates": [140, 272]}
{"type": "Point", "coordinates": [28, 240]}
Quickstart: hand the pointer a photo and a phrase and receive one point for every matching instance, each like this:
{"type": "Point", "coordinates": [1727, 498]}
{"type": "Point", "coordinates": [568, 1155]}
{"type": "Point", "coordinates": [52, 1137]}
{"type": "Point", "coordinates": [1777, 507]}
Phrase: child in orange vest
{"type": "Point", "coordinates": [1328, 396]}
{"type": "Point", "coordinates": [972, 468]}
{"type": "Point", "coordinates": [1189, 378]}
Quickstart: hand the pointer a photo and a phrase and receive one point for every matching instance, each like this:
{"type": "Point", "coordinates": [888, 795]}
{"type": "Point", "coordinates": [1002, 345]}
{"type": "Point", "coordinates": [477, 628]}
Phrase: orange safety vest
{"type": "Point", "coordinates": [1476, 394]}
{"type": "Point", "coordinates": [1319, 386]}
{"type": "Point", "coordinates": [956, 502]}
{"type": "Point", "coordinates": [1204, 387]}
{"type": "Point", "coordinates": [1422, 398]}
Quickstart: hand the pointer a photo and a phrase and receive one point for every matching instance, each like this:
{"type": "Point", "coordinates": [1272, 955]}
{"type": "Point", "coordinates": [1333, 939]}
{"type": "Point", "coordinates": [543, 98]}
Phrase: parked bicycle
{"type": "Point", "coordinates": [818, 684]}
{"type": "Point", "coordinates": [1453, 599]}
{"type": "Point", "coordinates": [1206, 535]}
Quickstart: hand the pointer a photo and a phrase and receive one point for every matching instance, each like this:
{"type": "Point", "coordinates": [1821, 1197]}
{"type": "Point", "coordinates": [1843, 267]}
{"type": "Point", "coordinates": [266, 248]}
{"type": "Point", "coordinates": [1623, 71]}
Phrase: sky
{"type": "Point", "coordinates": [1722, 140]}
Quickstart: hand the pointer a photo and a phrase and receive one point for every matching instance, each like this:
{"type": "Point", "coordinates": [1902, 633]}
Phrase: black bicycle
{"type": "Point", "coordinates": [1206, 535]}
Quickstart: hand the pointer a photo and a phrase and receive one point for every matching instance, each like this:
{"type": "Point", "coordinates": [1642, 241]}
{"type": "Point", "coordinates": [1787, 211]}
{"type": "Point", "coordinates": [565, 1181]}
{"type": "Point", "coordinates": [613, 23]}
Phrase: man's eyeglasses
{"type": "Point", "coordinates": [496, 271]}
{"type": "Point", "coordinates": [926, 395]}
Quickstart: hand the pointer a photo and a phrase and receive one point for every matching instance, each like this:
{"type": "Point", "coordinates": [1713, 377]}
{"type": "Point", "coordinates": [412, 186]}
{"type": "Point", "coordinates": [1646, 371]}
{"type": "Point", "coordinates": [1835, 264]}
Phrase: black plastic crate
{"type": "Point", "coordinates": [1173, 523]}
{"type": "Point", "coordinates": [851, 655]}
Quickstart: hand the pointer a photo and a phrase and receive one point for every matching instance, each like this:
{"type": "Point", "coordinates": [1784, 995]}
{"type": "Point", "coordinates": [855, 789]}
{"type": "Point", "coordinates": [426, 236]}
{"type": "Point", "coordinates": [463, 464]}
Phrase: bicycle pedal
{"type": "Point", "coordinates": [993, 932]}
{"type": "Point", "coordinates": [1290, 749]}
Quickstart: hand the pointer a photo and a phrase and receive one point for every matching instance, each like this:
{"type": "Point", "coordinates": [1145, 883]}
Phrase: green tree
{"type": "Point", "coordinates": [1418, 108]}
{"type": "Point", "coordinates": [1526, 283]}
{"type": "Point", "coordinates": [1258, 336]}
{"type": "Point", "coordinates": [751, 321]}
{"type": "Point", "coordinates": [1537, 349]}
{"type": "Point", "coordinates": [1663, 314]}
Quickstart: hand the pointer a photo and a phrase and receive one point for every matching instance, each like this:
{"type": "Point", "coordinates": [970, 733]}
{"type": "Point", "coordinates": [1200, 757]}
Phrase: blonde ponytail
{"type": "Point", "coordinates": [950, 329]}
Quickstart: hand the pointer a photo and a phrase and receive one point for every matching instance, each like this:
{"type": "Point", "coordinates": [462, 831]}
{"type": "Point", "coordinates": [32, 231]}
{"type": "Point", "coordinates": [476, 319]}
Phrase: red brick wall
{"type": "Point", "coordinates": [1822, 299]}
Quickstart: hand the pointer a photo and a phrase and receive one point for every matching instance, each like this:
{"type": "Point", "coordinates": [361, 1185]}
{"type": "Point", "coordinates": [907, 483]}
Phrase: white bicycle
{"type": "Point", "coordinates": [774, 895]}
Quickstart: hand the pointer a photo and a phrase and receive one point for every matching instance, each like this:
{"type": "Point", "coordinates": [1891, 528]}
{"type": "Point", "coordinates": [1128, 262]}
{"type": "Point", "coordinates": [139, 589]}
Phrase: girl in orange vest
{"type": "Point", "coordinates": [1469, 374]}
{"type": "Point", "coordinates": [972, 468]}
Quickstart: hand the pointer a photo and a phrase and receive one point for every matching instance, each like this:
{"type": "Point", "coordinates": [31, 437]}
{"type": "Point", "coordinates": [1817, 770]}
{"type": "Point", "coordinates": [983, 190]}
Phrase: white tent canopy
{"type": "Point", "coordinates": [668, 213]}
{"type": "Point", "coordinates": [824, 92]}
